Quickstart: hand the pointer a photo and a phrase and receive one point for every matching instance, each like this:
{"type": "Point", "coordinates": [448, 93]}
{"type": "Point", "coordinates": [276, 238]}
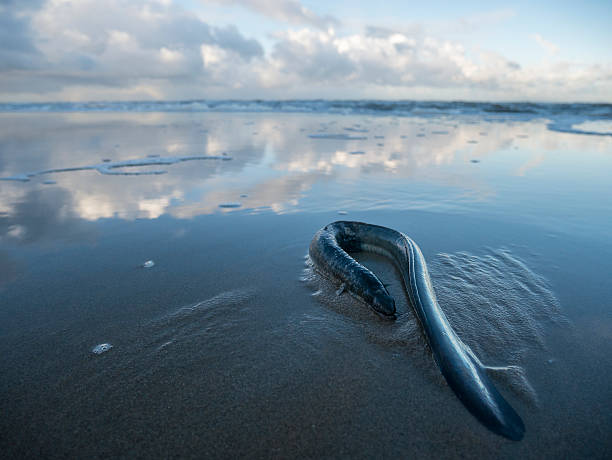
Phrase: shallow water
{"type": "Point", "coordinates": [228, 345]}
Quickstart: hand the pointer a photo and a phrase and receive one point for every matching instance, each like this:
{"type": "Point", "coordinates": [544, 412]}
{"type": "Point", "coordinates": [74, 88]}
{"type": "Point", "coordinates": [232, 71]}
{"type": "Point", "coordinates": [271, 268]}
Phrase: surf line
{"type": "Point", "coordinates": [465, 374]}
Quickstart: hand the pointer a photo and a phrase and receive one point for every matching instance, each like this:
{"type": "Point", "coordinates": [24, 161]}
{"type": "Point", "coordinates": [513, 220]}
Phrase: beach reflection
{"type": "Point", "coordinates": [353, 162]}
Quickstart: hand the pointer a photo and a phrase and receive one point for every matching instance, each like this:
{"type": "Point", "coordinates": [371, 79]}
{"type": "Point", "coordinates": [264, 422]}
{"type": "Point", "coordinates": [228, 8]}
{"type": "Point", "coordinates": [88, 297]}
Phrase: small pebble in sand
{"type": "Point", "coordinates": [106, 160]}
{"type": "Point", "coordinates": [102, 348]}
{"type": "Point", "coordinates": [148, 264]}
{"type": "Point", "coordinates": [475, 161]}
{"type": "Point", "coordinates": [49, 182]}
{"type": "Point", "coordinates": [342, 213]}
{"type": "Point", "coordinates": [244, 195]}
{"type": "Point", "coordinates": [230, 205]}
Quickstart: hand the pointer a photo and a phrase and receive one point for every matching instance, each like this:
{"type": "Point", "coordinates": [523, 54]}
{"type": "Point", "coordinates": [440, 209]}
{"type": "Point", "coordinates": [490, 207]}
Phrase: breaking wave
{"type": "Point", "coordinates": [561, 117]}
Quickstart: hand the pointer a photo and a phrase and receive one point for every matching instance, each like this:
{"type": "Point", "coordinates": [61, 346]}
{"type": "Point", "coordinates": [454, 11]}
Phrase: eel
{"type": "Point", "coordinates": [465, 374]}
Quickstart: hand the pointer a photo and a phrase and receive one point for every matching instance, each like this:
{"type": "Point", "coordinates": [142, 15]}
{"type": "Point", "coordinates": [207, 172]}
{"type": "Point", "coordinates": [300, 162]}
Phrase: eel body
{"type": "Point", "coordinates": [467, 377]}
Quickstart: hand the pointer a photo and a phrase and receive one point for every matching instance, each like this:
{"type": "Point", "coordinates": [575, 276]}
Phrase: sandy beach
{"type": "Point", "coordinates": [228, 345]}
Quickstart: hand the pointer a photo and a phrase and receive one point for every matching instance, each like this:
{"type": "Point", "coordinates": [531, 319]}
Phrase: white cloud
{"type": "Point", "coordinates": [169, 56]}
{"type": "Point", "coordinates": [114, 49]}
{"type": "Point", "coordinates": [549, 47]}
{"type": "Point", "coordinates": [136, 49]}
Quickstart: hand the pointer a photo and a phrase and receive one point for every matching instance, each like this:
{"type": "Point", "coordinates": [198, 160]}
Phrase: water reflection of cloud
{"type": "Point", "coordinates": [41, 215]}
{"type": "Point", "coordinates": [278, 167]}
{"type": "Point", "coordinates": [533, 162]}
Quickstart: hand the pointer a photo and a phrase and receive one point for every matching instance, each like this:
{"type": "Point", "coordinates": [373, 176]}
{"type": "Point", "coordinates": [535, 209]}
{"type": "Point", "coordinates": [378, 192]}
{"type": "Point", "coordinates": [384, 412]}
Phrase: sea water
{"type": "Point", "coordinates": [230, 345]}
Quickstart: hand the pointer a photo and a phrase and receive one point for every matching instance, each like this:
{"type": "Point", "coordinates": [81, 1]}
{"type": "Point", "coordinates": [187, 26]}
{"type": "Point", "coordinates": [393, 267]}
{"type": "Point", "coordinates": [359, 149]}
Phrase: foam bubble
{"type": "Point", "coordinates": [101, 348]}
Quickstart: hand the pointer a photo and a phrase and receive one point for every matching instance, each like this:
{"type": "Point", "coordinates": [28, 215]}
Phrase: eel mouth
{"type": "Point", "coordinates": [386, 316]}
{"type": "Point", "coordinates": [385, 309]}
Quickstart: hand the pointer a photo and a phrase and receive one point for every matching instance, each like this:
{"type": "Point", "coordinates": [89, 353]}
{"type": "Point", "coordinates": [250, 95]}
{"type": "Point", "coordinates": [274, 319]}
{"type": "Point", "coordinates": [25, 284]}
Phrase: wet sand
{"type": "Point", "coordinates": [221, 349]}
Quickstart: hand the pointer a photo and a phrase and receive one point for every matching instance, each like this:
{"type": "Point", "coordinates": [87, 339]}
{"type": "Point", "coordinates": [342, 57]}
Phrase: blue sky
{"type": "Point", "coordinates": [245, 49]}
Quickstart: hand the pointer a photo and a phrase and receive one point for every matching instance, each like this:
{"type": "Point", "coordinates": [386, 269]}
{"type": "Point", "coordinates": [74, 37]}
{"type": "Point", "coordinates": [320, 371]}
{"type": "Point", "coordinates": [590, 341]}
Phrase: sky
{"type": "Point", "coordinates": [88, 50]}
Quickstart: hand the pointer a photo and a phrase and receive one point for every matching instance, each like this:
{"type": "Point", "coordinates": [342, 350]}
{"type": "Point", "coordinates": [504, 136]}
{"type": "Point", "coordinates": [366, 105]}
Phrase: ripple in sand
{"type": "Point", "coordinates": [496, 304]}
{"type": "Point", "coordinates": [215, 320]}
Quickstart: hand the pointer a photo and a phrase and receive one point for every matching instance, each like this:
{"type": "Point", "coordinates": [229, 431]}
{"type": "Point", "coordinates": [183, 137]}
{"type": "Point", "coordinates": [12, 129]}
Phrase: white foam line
{"type": "Point", "coordinates": [107, 168]}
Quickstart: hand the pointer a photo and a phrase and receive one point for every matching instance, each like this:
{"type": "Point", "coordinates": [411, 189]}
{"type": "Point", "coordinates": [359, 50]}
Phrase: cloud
{"type": "Point", "coordinates": [120, 49]}
{"type": "Point", "coordinates": [291, 11]}
{"type": "Point", "coordinates": [386, 63]}
{"type": "Point", "coordinates": [18, 50]}
{"type": "Point", "coordinates": [119, 44]}
{"type": "Point", "coordinates": [549, 47]}
{"type": "Point", "coordinates": [378, 57]}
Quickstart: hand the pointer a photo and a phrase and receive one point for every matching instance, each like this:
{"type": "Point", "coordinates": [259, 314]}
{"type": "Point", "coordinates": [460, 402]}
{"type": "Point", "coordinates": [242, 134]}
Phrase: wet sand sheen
{"type": "Point", "coordinates": [220, 350]}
